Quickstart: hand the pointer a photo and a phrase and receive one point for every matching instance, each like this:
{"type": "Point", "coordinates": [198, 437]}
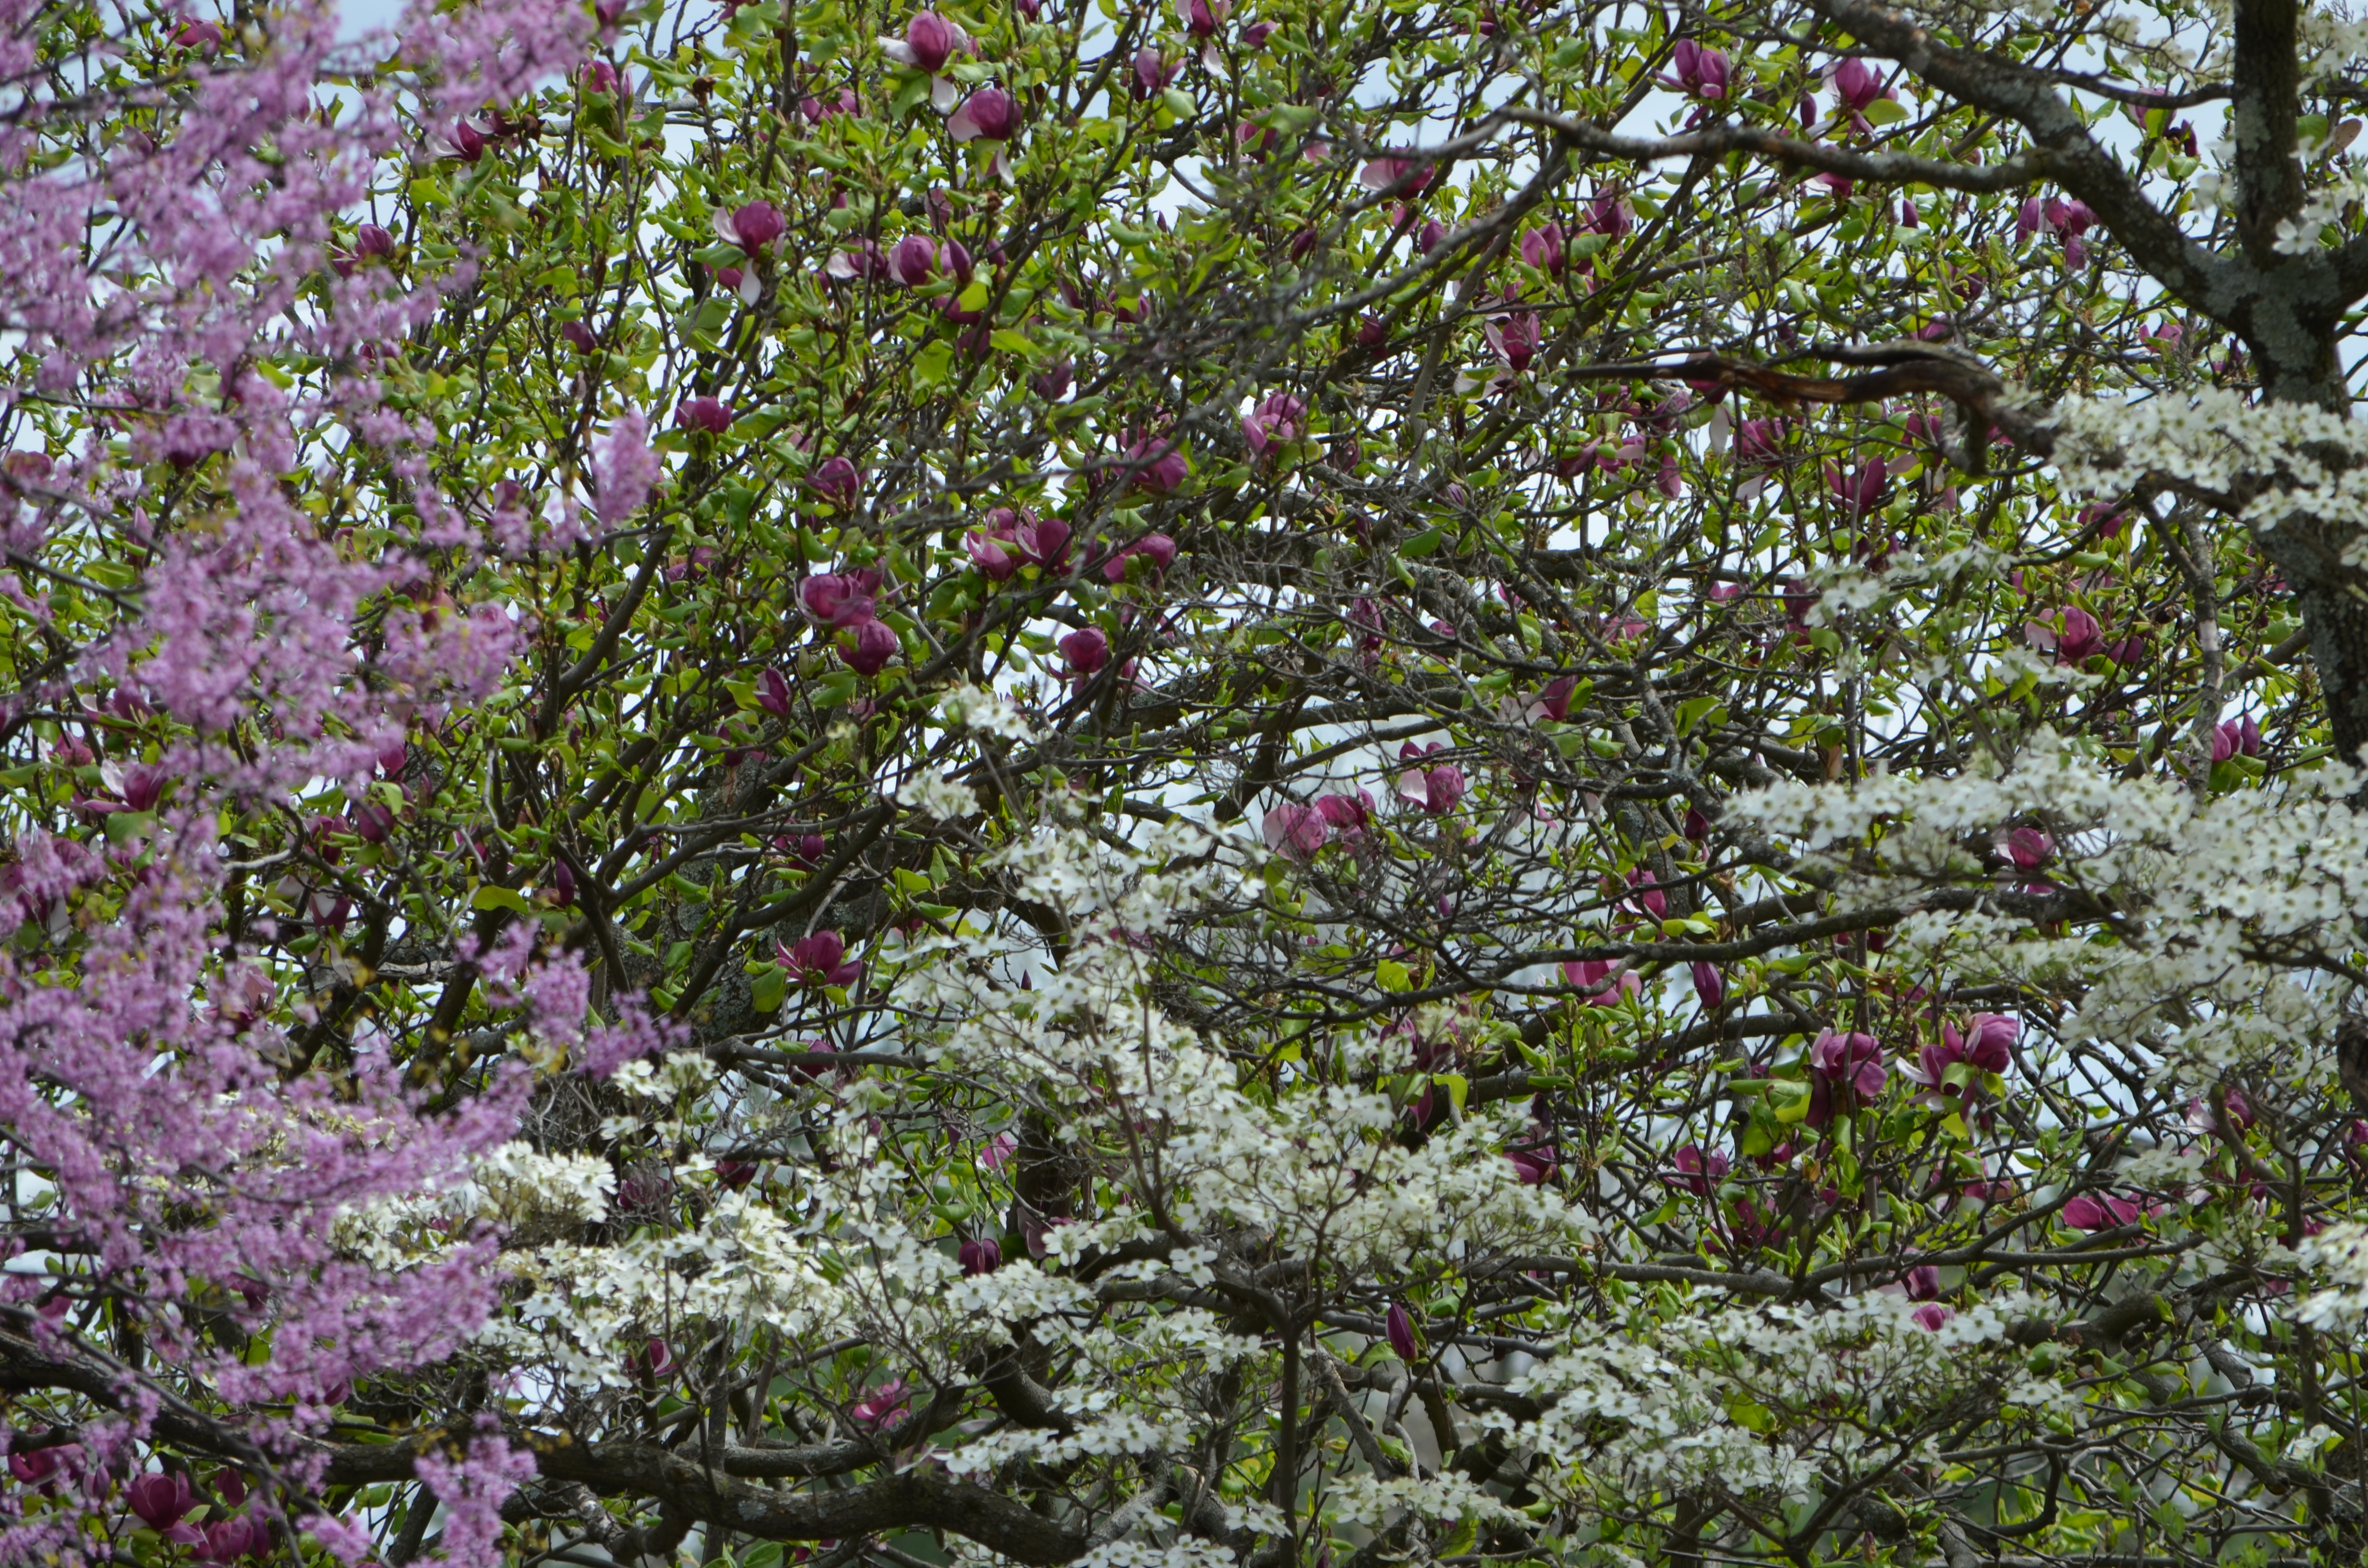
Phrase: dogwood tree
{"type": "Point", "coordinates": [1314, 783]}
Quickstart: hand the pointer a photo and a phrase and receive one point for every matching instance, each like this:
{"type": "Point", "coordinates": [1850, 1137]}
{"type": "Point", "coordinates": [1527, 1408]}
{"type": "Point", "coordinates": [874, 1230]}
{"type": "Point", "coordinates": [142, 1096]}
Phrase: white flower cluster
{"type": "Point", "coordinates": [2280, 458]}
{"type": "Point", "coordinates": [2212, 898]}
{"type": "Point", "coordinates": [1774, 1400]}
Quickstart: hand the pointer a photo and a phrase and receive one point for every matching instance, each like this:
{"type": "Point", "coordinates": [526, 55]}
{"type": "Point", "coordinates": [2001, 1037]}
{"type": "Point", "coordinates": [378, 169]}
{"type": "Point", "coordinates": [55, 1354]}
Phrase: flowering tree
{"type": "Point", "coordinates": [1347, 783]}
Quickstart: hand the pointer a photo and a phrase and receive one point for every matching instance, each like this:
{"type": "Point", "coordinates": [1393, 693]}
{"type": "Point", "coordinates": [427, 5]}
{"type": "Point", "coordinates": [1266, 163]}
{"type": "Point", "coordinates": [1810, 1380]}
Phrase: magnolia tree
{"type": "Point", "coordinates": [1323, 784]}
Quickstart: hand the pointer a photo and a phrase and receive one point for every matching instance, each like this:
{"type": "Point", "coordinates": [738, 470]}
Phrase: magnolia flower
{"type": "Point", "coordinates": [1554, 700]}
{"type": "Point", "coordinates": [836, 481]}
{"type": "Point", "coordinates": [1702, 72]}
{"type": "Point", "coordinates": [1609, 215]}
{"type": "Point", "coordinates": [1280, 418]}
{"type": "Point", "coordinates": [1157, 549]}
{"type": "Point", "coordinates": [1349, 816]}
{"type": "Point", "coordinates": [1435, 788]}
{"type": "Point", "coordinates": [912, 261]}
{"type": "Point", "coordinates": [1158, 465]}
{"type": "Point", "coordinates": [2237, 737]}
{"type": "Point", "coordinates": [1535, 1167]}
{"type": "Point", "coordinates": [1040, 541]}
{"type": "Point", "coordinates": [1698, 1173]}
{"type": "Point", "coordinates": [994, 563]}
{"type": "Point", "coordinates": [1153, 72]}
{"type": "Point", "coordinates": [1515, 338]}
{"type": "Point", "coordinates": [751, 227]}
{"type": "Point", "coordinates": [1294, 831]}
{"type": "Point", "coordinates": [2103, 1212]}
{"type": "Point", "coordinates": [836, 599]}
{"type": "Point", "coordinates": [1407, 176]}
{"type": "Point", "coordinates": [1087, 649]}
{"type": "Point", "coordinates": [1709, 986]}
{"type": "Point", "coordinates": [988, 115]}
{"type": "Point", "coordinates": [1398, 1328]}
{"type": "Point", "coordinates": [712, 416]}
{"type": "Point", "coordinates": [1861, 492]}
{"type": "Point", "coordinates": [1857, 86]}
{"type": "Point", "coordinates": [928, 42]}
{"type": "Point", "coordinates": [887, 1402]}
{"type": "Point", "coordinates": [1543, 248]}
{"type": "Point", "coordinates": [869, 650]}
{"type": "Point", "coordinates": [819, 959]}
{"type": "Point", "coordinates": [817, 110]}
{"type": "Point", "coordinates": [980, 1256]}
{"type": "Point", "coordinates": [1931, 1317]}
{"type": "Point", "coordinates": [1851, 1061]}
{"type": "Point", "coordinates": [2028, 847]}
{"type": "Point", "coordinates": [160, 1501]}
{"type": "Point", "coordinates": [579, 337]}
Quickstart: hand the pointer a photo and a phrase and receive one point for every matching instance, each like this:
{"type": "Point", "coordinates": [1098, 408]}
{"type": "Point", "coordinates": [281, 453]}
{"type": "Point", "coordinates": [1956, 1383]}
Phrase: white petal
{"type": "Point", "coordinates": [724, 230]}
{"type": "Point", "coordinates": [750, 289]}
{"type": "Point", "coordinates": [897, 49]}
{"type": "Point", "coordinates": [943, 93]}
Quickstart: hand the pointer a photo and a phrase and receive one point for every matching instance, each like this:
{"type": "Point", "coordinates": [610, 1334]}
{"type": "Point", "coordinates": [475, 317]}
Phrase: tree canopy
{"type": "Point", "coordinates": [1299, 782]}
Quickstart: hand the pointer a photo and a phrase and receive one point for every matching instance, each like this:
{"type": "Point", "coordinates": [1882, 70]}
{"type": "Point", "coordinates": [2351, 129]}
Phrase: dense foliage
{"type": "Point", "coordinates": [1333, 783]}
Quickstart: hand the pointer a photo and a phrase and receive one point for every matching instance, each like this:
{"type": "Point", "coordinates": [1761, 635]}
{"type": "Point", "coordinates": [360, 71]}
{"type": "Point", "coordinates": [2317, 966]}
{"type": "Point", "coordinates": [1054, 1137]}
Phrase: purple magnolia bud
{"type": "Point", "coordinates": [912, 261]}
{"type": "Point", "coordinates": [987, 115]}
{"type": "Point", "coordinates": [836, 481]}
{"type": "Point", "coordinates": [929, 41]}
{"type": "Point", "coordinates": [1515, 338]}
{"type": "Point", "coordinates": [1151, 72]}
{"type": "Point", "coordinates": [2079, 638]}
{"type": "Point", "coordinates": [1709, 986]}
{"type": "Point", "coordinates": [1087, 649]}
{"type": "Point", "coordinates": [836, 599]}
{"type": "Point", "coordinates": [1254, 37]}
{"type": "Point", "coordinates": [1303, 241]}
{"type": "Point", "coordinates": [1203, 18]}
{"type": "Point", "coordinates": [1534, 1167]}
{"type": "Point", "coordinates": [874, 645]}
{"type": "Point", "coordinates": [563, 884]}
{"type": "Point", "coordinates": [1922, 1282]}
{"type": "Point", "coordinates": [600, 79]}
{"type": "Point", "coordinates": [1856, 86]}
{"type": "Point", "coordinates": [1554, 702]}
{"type": "Point", "coordinates": [1053, 384]}
{"type": "Point", "coordinates": [1861, 492]}
{"type": "Point", "coordinates": [1160, 466]}
{"type": "Point", "coordinates": [709, 414]}
{"type": "Point", "coordinates": [468, 142]}
{"type": "Point", "coordinates": [1543, 248]}
{"type": "Point", "coordinates": [1347, 814]}
{"type": "Point", "coordinates": [1702, 72]}
{"type": "Point", "coordinates": [1428, 239]}
{"type": "Point", "coordinates": [1696, 825]}
{"type": "Point", "coordinates": [160, 1500]}
{"type": "Point", "coordinates": [373, 242]}
{"type": "Point", "coordinates": [2028, 848]}
{"type": "Point", "coordinates": [372, 821]}
{"type": "Point", "coordinates": [735, 1173]}
{"type": "Point", "coordinates": [981, 1256]}
{"type": "Point", "coordinates": [198, 35]}
{"type": "Point", "coordinates": [1399, 1326]}
{"type": "Point", "coordinates": [1371, 334]}
{"type": "Point", "coordinates": [580, 335]}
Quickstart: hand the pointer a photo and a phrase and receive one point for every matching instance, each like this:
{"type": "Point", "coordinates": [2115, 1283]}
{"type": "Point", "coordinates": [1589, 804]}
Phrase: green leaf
{"type": "Point", "coordinates": [1885, 111]}
{"type": "Point", "coordinates": [932, 364]}
{"type": "Point", "coordinates": [1392, 975]}
{"type": "Point", "coordinates": [493, 895]}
